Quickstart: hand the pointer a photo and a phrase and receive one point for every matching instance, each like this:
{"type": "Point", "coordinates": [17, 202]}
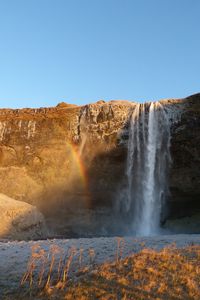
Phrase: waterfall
{"type": "Point", "coordinates": [31, 128]}
{"type": "Point", "coordinates": [82, 145]}
{"type": "Point", "coordinates": [2, 130]}
{"type": "Point", "coordinates": [148, 161]}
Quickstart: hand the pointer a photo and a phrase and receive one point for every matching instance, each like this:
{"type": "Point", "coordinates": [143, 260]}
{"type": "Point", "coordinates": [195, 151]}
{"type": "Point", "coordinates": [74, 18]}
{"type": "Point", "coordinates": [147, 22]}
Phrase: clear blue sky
{"type": "Point", "coordinates": [80, 51]}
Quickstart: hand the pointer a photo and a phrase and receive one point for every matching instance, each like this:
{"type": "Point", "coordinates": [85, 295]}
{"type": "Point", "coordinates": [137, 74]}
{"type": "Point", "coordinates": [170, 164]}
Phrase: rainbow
{"type": "Point", "coordinates": [80, 168]}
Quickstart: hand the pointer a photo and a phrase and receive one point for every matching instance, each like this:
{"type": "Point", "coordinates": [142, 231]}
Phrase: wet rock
{"type": "Point", "coordinates": [189, 224]}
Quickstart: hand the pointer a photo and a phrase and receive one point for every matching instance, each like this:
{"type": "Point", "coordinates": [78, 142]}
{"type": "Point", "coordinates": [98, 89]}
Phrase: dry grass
{"type": "Point", "coordinates": [167, 274]}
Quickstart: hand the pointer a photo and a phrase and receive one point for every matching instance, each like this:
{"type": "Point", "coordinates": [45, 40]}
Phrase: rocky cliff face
{"type": "Point", "coordinates": [185, 151]}
{"type": "Point", "coordinates": [66, 155]}
{"type": "Point", "coordinates": [74, 156]}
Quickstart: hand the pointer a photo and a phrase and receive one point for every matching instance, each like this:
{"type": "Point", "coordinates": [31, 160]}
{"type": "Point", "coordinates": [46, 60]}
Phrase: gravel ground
{"type": "Point", "coordinates": [14, 256]}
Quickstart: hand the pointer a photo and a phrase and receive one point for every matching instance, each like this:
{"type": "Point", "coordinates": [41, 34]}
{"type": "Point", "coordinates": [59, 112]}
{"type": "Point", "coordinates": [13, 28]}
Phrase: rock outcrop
{"type": "Point", "coordinates": [74, 156]}
{"type": "Point", "coordinates": [20, 221]}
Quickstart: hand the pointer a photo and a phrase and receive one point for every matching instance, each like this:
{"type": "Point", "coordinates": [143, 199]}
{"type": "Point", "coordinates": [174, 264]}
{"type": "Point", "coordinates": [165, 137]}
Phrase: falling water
{"type": "Point", "coordinates": [82, 145]}
{"type": "Point", "coordinates": [148, 161]}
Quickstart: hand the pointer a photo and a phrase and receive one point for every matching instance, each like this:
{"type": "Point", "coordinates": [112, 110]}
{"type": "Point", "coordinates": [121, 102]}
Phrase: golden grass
{"type": "Point", "coordinates": [167, 274]}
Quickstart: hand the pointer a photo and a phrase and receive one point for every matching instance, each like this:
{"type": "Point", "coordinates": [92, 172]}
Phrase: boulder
{"type": "Point", "coordinates": [20, 220]}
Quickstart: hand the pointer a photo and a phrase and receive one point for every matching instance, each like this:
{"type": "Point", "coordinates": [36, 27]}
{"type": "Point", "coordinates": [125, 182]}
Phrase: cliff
{"type": "Point", "coordinates": [70, 157]}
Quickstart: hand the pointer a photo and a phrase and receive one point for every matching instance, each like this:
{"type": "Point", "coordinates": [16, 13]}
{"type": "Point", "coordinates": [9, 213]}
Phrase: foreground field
{"type": "Point", "coordinates": [164, 267]}
{"type": "Point", "coordinates": [168, 274]}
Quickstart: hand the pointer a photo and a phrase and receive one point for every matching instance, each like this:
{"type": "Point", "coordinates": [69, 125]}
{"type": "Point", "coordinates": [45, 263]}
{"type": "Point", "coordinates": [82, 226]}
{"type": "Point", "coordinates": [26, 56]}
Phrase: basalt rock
{"type": "Point", "coordinates": [75, 156]}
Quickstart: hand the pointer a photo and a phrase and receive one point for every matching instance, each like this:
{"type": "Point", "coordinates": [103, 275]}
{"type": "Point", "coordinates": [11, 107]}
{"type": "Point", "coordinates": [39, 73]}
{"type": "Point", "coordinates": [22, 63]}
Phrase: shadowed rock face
{"type": "Point", "coordinates": [185, 151]}
{"type": "Point", "coordinates": [72, 157]}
